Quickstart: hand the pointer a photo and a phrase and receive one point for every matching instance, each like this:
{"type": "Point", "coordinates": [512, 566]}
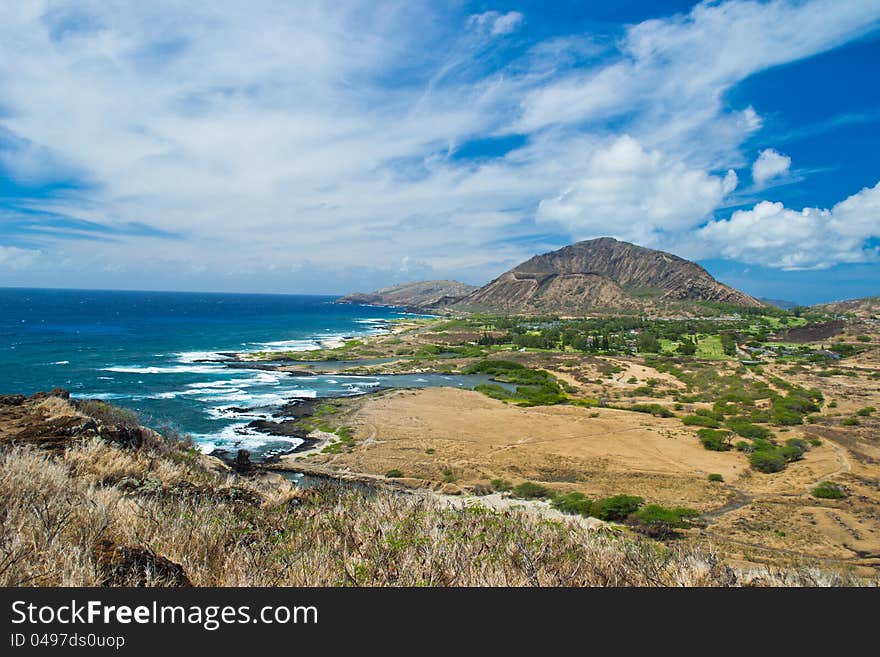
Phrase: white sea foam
{"type": "Point", "coordinates": [239, 436]}
{"type": "Point", "coordinates": [195, 356]}
{"type": "Point", "coordinates": [61, 362]}
{"type": "Point", "coordinates": [173, 369]}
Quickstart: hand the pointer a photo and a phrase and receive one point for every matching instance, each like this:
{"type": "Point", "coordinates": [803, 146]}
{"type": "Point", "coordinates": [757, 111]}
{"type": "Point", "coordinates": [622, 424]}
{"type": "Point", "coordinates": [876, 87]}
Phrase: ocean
{"type": "Point", "coordinates": [160, 354]}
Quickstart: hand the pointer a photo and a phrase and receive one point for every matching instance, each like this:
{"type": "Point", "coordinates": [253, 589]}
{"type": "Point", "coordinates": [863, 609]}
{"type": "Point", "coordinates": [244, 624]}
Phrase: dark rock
{"type": "Point", "coordinates": [242, 463]}
{"type": "Point", "coordinates": [119, 565]}
{"type": "Point", "coordinates": [285, 428]}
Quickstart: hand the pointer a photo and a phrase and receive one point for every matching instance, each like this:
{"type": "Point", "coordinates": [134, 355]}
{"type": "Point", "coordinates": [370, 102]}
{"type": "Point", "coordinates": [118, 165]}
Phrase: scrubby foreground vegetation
{"type": "Point", "coordinates": [85, 503]}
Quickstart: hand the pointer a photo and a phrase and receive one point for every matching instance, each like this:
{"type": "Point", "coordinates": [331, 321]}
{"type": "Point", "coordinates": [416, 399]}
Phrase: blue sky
{"type": "Point", "coordinates": [327, 147]}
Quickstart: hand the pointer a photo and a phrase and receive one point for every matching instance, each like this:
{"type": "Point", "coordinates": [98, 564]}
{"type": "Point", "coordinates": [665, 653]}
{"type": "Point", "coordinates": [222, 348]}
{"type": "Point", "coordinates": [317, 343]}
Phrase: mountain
{"type": "Point", "coordinates": [601, 274]}
{"type": "Point", "coordinates": [416, 296]}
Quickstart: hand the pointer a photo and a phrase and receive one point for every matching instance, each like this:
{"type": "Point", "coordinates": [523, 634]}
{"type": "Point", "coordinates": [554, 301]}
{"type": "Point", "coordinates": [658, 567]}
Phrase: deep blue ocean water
{"type": "Point", "coordinates": [158, 354]}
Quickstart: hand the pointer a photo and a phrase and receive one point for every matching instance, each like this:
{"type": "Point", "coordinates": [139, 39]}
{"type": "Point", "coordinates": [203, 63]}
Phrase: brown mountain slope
{"type": "Point", "coordinates": [865, 307]}
{"type": "Point", "coordinates": [417, 296]}
{"type": "Point", "coordinates": [601, 274]}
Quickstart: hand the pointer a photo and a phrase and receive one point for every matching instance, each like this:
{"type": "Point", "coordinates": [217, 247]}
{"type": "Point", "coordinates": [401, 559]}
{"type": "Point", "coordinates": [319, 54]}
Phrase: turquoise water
{"type": "Point", "coordinates": [160, 354]}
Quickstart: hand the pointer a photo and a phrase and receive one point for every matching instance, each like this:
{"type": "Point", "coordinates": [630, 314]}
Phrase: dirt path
{"type": "Point", "coordinates": [740, 499]}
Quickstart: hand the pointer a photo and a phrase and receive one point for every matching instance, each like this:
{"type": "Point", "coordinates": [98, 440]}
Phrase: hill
{"type": "Point", "coordinates": [866, 307]}
{"type": "Point", "coordinates": [602, 274]}
{"type": "Point", "coordinates": [90, 498]}
{"type": "Point", "coordinates": [415, 296]}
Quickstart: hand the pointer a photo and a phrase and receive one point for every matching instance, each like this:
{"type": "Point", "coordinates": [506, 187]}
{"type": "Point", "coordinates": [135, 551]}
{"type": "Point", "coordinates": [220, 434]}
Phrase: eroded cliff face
{"type": "Point", "coordinates": [600, 274]}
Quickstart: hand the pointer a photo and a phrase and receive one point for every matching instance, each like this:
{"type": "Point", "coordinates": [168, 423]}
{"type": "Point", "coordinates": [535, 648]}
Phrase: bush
{"type": "Point", "coordinates": [501, 485]}
{"type": "Point", "coordinates": [715, 477]}
{"type": "Point", "coordinates": [866, 411]}
{"type": "Point", "coordinates": [851, 422]}
{"type": "Point", "coordinates": [660, 522]}
{"type": "Point", "coordinates": [793, 449]}
{"type": "Point", "coordinates": [574, 503]}
{"type": "Point", "coordinates": [616, 508]}
{"type": "Point", "coordinates": [529, 490]}
{"type": "Point", "coordinates": [715, 440]}
{"type": "Point", "coordinates": [654, 409]}
{"type": "Point", "coordinates": [394, 474]}
{"type": "Point", "coordinates": [828, 490]}
{"type": "Point", "coordinates": [742, 427]}
{"type": "Point", "coordinates": [701, 421]}
{"type": "Point", "coordinates": [768, 460]}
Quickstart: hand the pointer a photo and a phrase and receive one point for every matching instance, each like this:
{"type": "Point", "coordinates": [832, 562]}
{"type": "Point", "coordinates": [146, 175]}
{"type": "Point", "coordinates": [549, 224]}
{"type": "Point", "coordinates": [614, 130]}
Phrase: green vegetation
{"type": "Point", "coordinates": [828, 490]}
{"type": "Point", "coordinates": [701, 421]}
{"type": "Point", "coordinates": [866, 411]}
{"type": "Point", "coordinates": [660, 522]}
{"type": "Point", "coordinates": [851, 422]}
{"type": "Point", "coordinates": [652, 520]}
{"type": "Point", "coordinates": [394, 474]}
{"type": "Point", "coordinates": [714, 439]}
{"type": "Point", "coordinates": [742, 427]}
{"type": "Point", "coordinates": [716, 477]}
{"type": "Point", "coordinates": [533, 387]}
{"type": "Point", "coordinates": [767, 460]}
{"type": "Point", "coordinates": [654, 409]}
{"type": "Point", "coordinates": [529, 490]}
{"type": "Point", "coordinates": [574, 503]}
{"type": "Point", "coordinates": [616, 507]}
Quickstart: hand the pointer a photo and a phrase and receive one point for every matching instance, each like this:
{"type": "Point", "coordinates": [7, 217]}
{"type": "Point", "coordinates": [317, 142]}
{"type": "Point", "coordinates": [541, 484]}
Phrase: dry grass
{"type": "Point", "coordinates": [223, 531]}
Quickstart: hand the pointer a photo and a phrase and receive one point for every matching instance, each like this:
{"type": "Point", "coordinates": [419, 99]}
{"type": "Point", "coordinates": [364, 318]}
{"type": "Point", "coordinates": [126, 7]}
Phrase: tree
{"type": "Point", "coordinates": [648, 342]}
{"type": "Point", "coordinates": [687, 347]}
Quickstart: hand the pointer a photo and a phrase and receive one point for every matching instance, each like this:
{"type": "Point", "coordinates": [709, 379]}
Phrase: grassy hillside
{"type": "Point", "coordinates": [97, 511]}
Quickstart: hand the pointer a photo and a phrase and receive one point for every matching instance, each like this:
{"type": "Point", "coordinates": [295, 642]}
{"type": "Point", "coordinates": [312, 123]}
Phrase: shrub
{"type": "Point", "coordinates": [501, 485]}
{"type": "Point", "coordinates": [866, 411]}
{"type": "Point", "coordinates": [394, 473]}
{"type": "Point", "coordinates": [743, 446]}
{"type": "Point", "coordinates": [742, 427]}
{"type": "Point", "coordinates": [767, 460]}
{"type": "Point", "coordinates": [715, 477]}
{"type": "Point", "coordinates": [654, 409]}
{"type": "Point", "coordinates": [793, 449]}
{"type": "Point", "coordinates": [660, 522]}
{"type": "Point", "coordinates": [701, 421]}
{"type": "Point", "coordinates": [574, 503]}
{"type": "Point", "coordinates": [851, 422]}
{"type": "Point", "coordinates": [529, 490]}
{"type": "Point", "coordinates": [715, 440]}
{"type": "Point", "coordinates": [828, 490]}
{"type": "Point", "coordinates": [617, 507]}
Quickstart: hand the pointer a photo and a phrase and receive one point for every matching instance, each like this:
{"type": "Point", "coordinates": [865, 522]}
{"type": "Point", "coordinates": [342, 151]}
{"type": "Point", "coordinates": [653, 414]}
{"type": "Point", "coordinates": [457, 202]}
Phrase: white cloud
{"type": "Point", "coordinates": [298, 137]}
{"type": "Point", "coordinates": [770, 164]}
{"type": "Point", "coordinates": [774, 236]}
{"type": "Point", "coordinates": [496, 23]}
{"type": "Point", "coordinates": [675, 70]}
{"type": "Point", "coordinates": [632, 193]}
{"type": "Point", "coordinates": [12, 257]}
